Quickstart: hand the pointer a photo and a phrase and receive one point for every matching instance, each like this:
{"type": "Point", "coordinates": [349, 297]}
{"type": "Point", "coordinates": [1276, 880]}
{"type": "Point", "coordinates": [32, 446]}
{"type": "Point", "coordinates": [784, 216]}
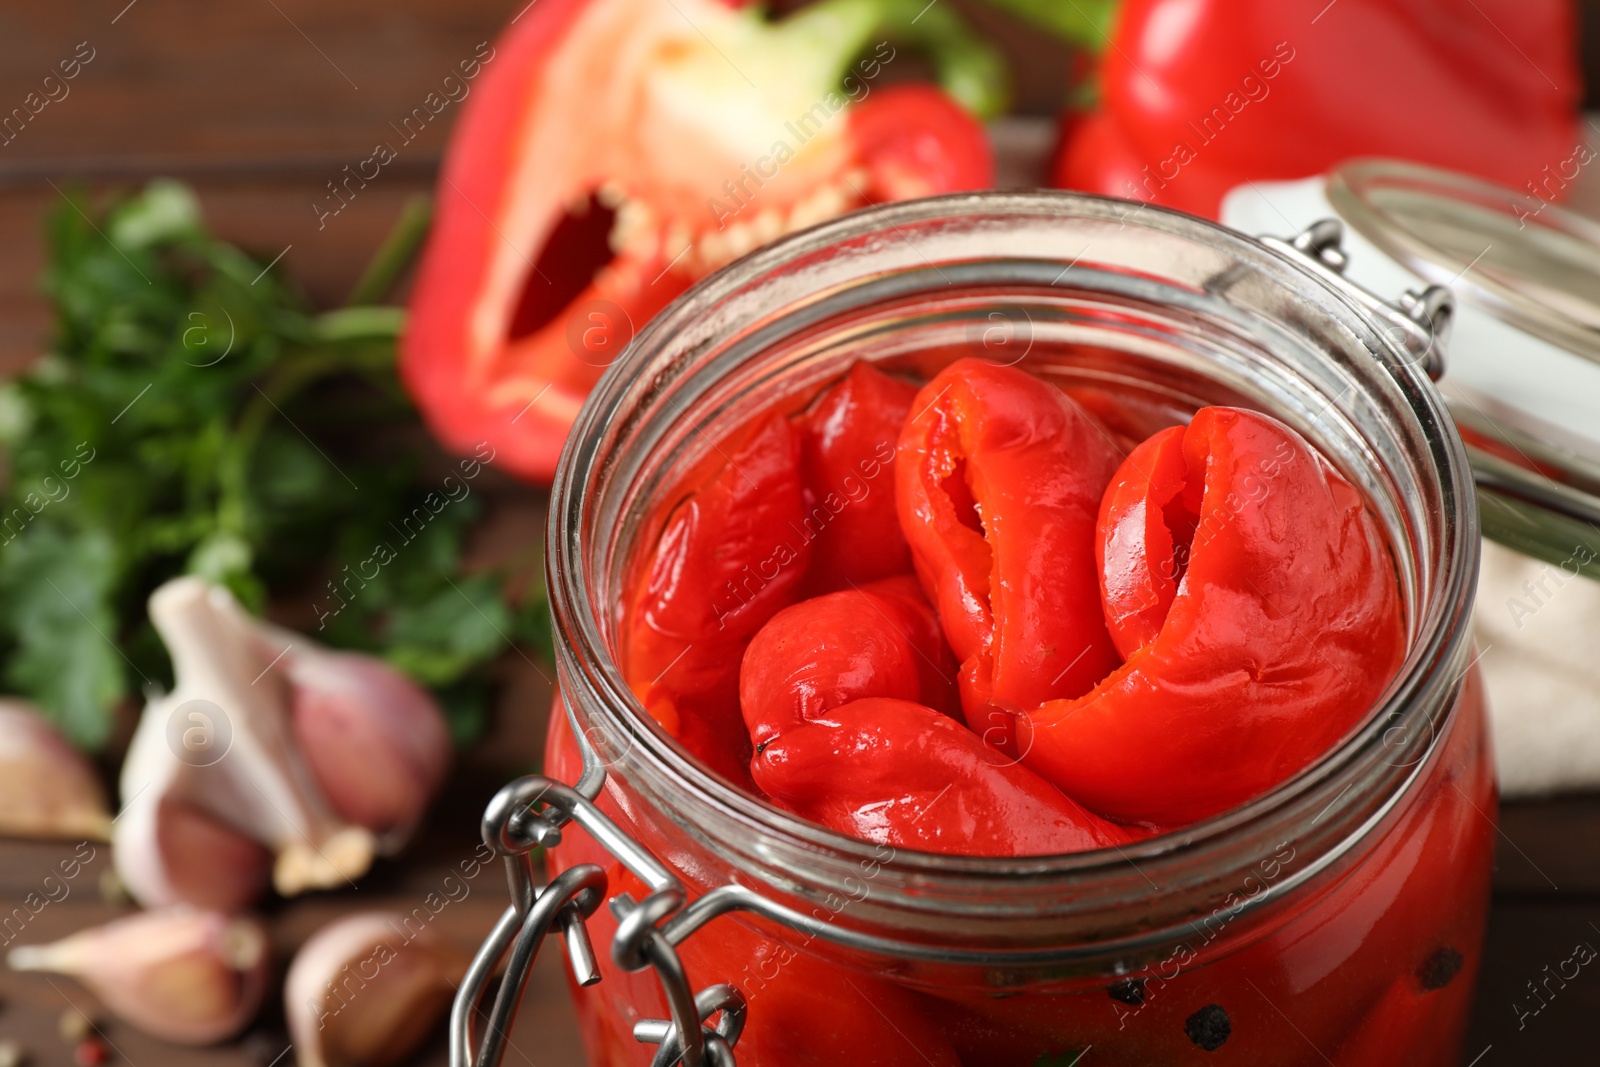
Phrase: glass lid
{"type": "Point", "coordinates": [1525, 259]}
{"type": "Point", "coordinates": [1523, 366]}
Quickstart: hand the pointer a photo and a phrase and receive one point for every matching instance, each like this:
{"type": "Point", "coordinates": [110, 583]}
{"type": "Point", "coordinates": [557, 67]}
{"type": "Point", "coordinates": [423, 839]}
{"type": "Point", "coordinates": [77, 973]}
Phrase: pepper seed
{"type": "Point", "coordinates": [1209, 1027]}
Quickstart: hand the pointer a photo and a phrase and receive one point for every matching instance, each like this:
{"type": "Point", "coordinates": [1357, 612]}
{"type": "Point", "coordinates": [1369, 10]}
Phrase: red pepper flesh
{"type": "Point", "coordinates": [881, 640]}
{"type": "Point", "coordinates": [999, 479]}
{"type": "Point", "coordinates": [849, 449]}
{"type": "Point", "coordinates": [910, 613]}
{"type": "Point", "coordinates": [898, 773]}
{"type": "Point", "coordinates": [724, 564]}
{"type": "Point", "coordinates": [829, 689]}
{"type": "Point", "coordinates": [1281, 628]}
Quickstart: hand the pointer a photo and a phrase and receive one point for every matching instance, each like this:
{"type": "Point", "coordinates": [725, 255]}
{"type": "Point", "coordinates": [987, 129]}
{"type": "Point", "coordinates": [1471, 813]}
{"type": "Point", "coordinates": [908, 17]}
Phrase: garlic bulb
{"type": "Point", "coordinates": [217, 757]}
{"type": "Point", "coordinates": [184, 975]}
{"type": "Point", "coordinates": [367, 989]}
{"type": "Point", "coordinates": [47, 789]}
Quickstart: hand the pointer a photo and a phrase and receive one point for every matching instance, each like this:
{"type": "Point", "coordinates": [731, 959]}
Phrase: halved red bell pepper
{"type": "Point", "coordinates": [999, 480]}
{"type": "Point", "coordinates": [702, 131]}
{"type": "Point", "coordinates": [1200, 96]}
{"type": "Point", "coordinates": [1256, 601]}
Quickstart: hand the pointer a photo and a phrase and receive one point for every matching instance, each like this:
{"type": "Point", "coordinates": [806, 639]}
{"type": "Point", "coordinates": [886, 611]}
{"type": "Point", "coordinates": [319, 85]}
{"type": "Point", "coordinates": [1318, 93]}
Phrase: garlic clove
{"type": "Point", "coordinates": [169, 852]}
{"type": "Point", "coordinates": [376, 742]}
{"type": "Point", "coordinates": [367, 989]}
{"type": "Point", "coordinates": [184, 975]}
{"type": "Point", "coordinates": [221, 742]}
{"type": "Point", "coordinates": [47, 788]}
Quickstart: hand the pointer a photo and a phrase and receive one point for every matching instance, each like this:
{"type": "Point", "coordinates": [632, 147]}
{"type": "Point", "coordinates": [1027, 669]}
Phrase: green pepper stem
{"type": "Point", "coordinates": [968, 68]}
{"type": "Point", "coordinates": [1085, 23]}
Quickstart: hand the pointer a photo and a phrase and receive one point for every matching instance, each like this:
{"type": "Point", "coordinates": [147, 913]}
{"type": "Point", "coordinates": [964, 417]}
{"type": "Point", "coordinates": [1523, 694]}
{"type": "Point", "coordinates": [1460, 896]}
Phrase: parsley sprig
{"type": "Point", "coordinates": [196, 415]}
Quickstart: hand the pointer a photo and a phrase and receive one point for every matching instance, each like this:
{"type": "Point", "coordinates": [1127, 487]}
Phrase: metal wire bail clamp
{"type": "Point", "coordinates": [513, 829]}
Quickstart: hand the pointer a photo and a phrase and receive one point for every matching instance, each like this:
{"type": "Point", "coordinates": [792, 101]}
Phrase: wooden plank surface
{"type": "Point", "coordinates": [259, 103]}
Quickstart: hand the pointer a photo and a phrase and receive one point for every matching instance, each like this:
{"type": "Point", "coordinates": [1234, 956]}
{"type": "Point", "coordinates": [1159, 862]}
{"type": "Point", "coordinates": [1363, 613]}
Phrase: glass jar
{"type": "Point", "coordinates": [1338, 918]}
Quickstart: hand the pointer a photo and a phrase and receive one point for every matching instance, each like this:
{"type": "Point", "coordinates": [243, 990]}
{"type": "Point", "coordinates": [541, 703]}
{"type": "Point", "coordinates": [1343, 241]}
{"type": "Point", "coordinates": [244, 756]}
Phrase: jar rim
{"type": "Point", "coordinates": [1421, 693]}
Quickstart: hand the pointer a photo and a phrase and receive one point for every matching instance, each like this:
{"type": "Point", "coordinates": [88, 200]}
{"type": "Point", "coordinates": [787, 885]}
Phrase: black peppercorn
{"type": "Point", "coordinates": [1209, 1027]}
{"type": "Point", "coordinates": [1439, 969]}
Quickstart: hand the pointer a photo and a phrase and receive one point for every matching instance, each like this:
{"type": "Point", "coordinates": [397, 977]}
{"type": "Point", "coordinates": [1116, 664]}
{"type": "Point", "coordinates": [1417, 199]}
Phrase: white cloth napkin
{"type": "Point", "coordinates": [1536, 626]}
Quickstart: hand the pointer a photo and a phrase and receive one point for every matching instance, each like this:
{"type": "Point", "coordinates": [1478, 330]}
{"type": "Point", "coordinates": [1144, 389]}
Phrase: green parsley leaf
{"type": "Point", "coordinates": [195, 415]}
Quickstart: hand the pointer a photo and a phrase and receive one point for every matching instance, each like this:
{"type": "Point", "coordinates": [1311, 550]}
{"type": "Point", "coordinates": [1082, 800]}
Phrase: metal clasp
{"type": "Point", "coordinates": [1418, 321]}
{"type": "Point", "coordinates": [513, 829]}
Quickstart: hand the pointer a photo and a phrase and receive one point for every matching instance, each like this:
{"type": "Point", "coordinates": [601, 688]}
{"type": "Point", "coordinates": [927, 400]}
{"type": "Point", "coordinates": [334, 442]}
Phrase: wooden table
{"type": "Point", "coordinates": [259, 103]}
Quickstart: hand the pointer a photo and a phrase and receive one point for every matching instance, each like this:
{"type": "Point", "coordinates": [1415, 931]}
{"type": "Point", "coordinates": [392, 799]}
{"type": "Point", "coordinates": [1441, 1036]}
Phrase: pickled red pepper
{"type": "Point", "coordinates": [963, 621]}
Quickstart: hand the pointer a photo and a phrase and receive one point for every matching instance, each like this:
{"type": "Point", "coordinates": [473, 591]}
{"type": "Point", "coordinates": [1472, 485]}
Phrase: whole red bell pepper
{"type": "Point", "coordinates": [614, 151]}
{"type": "Point", "coordinates": [1200, 96]}
{"type": "Point", "coordinates": [999, 480]}
{"type": "Point", "coordinates": [1256, 602]}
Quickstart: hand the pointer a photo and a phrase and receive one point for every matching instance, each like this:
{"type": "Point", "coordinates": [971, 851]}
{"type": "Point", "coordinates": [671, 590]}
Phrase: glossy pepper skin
{"type": "Point", "coordinates": [901, 774]}
{"type": "Point", "coordinates": [881, 640]}
{"type": "Point", "coordinates": [1257, 605]}
{"type": "Point", "coordinates": [999, 478]}
{"type": "Point", "coordinates": [830, 691]}
{"type": "Point", "coordinates": [908, 610]}
{"type": "Point", "coordinates": [848, 440]}
{"type": "Point", "coordinates": [1200, 96]}
{"type": "Point", "coordinates": [726, 561]}
{"type": "Point", "coordinates": [518, 307]}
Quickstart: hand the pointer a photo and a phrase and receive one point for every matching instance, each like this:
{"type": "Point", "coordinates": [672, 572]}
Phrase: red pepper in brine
{"type": "Point", "coordinates": [848, 449]}
{"type": "Point", "coordinates": [999, 478]}
{"type": "Point", "coordinates": [1256, 601]}
{"type": "Point", "coordinates": [726, 561]}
